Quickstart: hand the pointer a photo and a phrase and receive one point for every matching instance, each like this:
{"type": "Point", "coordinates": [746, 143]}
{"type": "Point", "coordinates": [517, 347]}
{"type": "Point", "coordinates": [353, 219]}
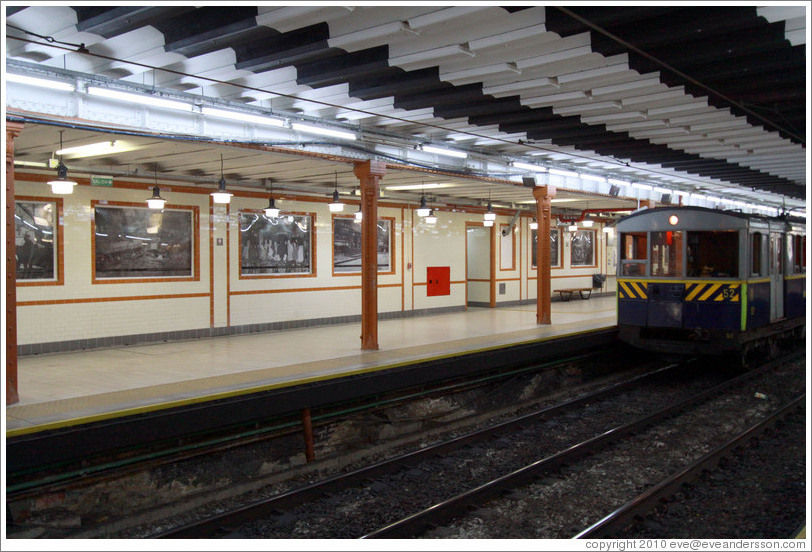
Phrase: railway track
{"type": "Point", "coordinates": [367, 503]}
{"type": "Point", "coordinates": [614, 523]}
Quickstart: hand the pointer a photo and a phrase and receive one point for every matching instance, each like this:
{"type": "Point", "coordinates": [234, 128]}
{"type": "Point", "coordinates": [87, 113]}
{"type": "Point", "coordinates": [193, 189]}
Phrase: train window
{"type": "Point", "coordinates": [797, 254]}
{"type": "Point", "coordinates": [757, 243]}
{"type": "Point", "coordinates": [666, 253]}
{"type": "Point", "coordinates": [713, 254]}
{"type": "Point", "coordinates": [633, 253]}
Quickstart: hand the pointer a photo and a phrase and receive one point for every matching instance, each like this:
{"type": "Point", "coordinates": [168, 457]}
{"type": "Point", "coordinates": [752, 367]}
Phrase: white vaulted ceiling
{"type": "Point", "coordinates": [700, 98]}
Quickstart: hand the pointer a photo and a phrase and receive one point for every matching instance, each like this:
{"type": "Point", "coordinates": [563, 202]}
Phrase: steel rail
{"type": "Point", "coordinates": [648, 500]}
{"type": "Point", "coordinates": [223, 522]}
{"type": "Point", "coordinates": [417, 523]}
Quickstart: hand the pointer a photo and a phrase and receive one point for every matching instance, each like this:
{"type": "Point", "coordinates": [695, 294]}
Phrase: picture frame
{"type": "Point", "coordinates": [582, 249]}
{"type": "Point", "coordinates": [276, 246]}
{"type": "Point", "coordinates": [347, 245]}
{"type": "Point", "coordinates": [555, 249]}
{"type": "Point", "coordinates": [133, 243]}
{"type": "Point", "coordinates": [38, 241]}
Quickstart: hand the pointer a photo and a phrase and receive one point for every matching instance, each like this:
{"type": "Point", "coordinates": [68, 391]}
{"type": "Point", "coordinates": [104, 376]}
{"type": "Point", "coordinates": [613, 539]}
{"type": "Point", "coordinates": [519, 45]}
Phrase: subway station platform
{"type": "Point", "coordinates": [65, 389]}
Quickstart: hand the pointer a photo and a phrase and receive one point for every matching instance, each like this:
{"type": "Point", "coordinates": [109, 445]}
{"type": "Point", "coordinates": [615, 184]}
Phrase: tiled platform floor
{"type": "Point", "coordinates": [67, 386]}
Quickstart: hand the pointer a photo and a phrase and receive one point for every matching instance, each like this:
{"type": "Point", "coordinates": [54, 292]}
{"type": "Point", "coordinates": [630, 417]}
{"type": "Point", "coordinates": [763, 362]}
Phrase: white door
{"type": "Point", "coordinates": [478, 269]}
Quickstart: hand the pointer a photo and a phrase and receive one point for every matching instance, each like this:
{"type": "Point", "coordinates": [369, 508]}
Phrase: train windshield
{"type": "Point", "coordinates": [633, 254]}
{"type": "Point", "coordinates": [666, 254]}
{"type": "Point", "coordinates": [713, 254]}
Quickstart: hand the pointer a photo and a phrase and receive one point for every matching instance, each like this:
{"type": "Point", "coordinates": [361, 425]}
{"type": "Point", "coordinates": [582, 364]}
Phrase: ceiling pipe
{"type": "Point", "coordinates": [586, 211]}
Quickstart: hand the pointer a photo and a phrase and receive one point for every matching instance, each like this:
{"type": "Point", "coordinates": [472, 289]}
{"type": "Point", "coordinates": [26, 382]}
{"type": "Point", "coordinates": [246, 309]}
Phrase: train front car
{"type": "Point", "coordinates": [693, 280]}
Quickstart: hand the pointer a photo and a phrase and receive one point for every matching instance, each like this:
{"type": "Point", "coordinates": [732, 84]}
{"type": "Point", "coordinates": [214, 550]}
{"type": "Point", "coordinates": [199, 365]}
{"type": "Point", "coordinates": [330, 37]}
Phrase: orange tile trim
{"type": "Point", "coordinates": [60, 246]}
{"type": "Point", "coordinates": [109, 299]}
{"type": "Point", "coordinates": [297, 290]}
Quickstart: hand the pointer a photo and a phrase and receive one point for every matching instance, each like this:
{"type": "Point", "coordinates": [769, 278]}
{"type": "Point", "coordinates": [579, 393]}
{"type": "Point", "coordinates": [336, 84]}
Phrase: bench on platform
{"type": "Point", "coordinates": [566, 293]}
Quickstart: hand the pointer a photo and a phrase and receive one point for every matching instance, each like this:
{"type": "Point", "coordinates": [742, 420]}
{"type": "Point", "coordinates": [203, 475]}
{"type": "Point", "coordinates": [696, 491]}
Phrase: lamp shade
{"type": "Point", "coordinates": [156, 201]}
{"type": "Point", "coordinates": [489, 214]}
{"type": "Point", "coordinates": [62, 185]}
{"type": "Point", "coordinates": [431, 219]}
{"type": "Point", "coordinates": [336, 206]}
{"type": "Point", "coordinates": [221, 195]}
{"type": "Point", "coordinates": [271, 211]}
{"type": "Point", "coordinates": [423, 210]}
{"type": "Point", "coordinates": [534, 225]}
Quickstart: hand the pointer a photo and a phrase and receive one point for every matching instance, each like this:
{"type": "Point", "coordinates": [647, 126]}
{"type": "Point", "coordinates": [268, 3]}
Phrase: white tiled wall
{"type": "Point", "coordinates": [81, 309]}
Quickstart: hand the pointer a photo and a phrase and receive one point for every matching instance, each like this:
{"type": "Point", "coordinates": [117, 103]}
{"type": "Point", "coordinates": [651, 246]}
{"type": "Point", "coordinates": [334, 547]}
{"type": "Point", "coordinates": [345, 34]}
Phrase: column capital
{"type": "Point", "coordinates": [544, 192]}
{"type": "Point", "coordinates": [370, 169]}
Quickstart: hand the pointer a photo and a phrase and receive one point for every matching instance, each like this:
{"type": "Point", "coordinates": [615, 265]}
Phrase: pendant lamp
{"type": "Point", "coordinates": [61, 185]}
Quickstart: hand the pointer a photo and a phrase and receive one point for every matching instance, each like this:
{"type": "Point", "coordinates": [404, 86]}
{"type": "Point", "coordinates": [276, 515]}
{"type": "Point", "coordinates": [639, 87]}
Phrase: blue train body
{"type": "Point", "coordinates": [703, 281]}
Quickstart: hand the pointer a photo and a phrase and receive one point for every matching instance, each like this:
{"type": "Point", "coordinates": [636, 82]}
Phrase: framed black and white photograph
{"type": "Point", "coordinates": [582, 248]}
{"type": "Point", "coordinates": [138, 242]}
{"type": "Point", "coordinates": [37, 239]}
{"type": "Point", "coordinates": [276, 245]}
{"type": "Point", "coordinates": [555, 255]}
{"type": "Point", "coordinates": [347, 245]}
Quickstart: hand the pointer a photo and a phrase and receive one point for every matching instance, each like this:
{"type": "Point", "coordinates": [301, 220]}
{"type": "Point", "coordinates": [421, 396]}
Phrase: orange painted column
{"type": "Point", "coordinates": [544, 196]}
{"type": "Point", "coordinates": [12, 396]}
{"type": "Point", "coordinates": [369, 174]}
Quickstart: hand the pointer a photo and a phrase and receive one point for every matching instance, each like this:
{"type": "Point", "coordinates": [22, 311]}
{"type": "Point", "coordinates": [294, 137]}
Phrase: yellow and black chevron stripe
{"type": "Point", "coordinates": [694, 291]}
{"type": "Point", "coordinates": [710, 291]}
{"type": "Point", "coordinates": [632, 289]}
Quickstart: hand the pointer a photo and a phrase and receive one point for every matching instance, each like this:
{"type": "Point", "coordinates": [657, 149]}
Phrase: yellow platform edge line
{"type": "Point", "coordinates": [269, 387]}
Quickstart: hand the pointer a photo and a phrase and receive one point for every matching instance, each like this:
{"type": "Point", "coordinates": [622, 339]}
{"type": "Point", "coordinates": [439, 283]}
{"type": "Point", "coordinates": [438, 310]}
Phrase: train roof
{"type": "Point", "coordinates": [717, 213]}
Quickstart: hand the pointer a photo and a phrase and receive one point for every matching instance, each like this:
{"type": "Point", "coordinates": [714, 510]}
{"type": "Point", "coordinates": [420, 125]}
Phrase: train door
{"type": "Point", "coordinates": [776, 276]}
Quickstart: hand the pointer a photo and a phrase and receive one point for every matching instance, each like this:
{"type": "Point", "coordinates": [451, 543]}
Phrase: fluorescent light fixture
{"type": "Point", "coordinates": [40, 164]}
{"type": "Point", "coordinates": [529, 167]}
{"type": "Point", "coordinates": [98, 148]}
{"type": "Point", "coordinates": [591, 177]}
{"type": "Point", "coordinates": [443, 151]}
{"type": "Point", "coordinates": [324, 131]}
{"type": "Point", "coordinates": [142, 99]}
{"type": "Point", "coordinates": [242, 116]}
{"type": "Point", "coordinates": [431, 185]}
{"type": "Point", "coordinates": [559, 172]}
{"type": "Point", "coordinates": [42, 83]}
{"type": "Point", "coordinates": [617, 182]}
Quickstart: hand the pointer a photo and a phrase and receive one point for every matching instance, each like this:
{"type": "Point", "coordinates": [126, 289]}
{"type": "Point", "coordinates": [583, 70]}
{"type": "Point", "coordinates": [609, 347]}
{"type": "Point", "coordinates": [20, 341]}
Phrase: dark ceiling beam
{"type": "Point", "coordinates": [395, 81]}
{"type": "Point", "coordinates": [207, 28]}
{"type": "Point", "coordinates": [344, 68]}
{"type": "Point", "coordinates": [278, 50]}
{"type": "Point", "coordinates": [114, 21]}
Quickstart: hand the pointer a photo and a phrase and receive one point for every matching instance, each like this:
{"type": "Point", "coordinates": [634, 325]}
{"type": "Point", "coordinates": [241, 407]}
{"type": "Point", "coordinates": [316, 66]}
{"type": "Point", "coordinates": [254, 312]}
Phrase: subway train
{"type": "Point", "coordinates": [693, 280]}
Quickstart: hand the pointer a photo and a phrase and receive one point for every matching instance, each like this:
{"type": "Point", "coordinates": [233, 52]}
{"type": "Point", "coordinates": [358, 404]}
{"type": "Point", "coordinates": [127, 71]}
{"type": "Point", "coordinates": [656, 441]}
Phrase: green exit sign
{"type": "Point", "coordinates": [96, 180]}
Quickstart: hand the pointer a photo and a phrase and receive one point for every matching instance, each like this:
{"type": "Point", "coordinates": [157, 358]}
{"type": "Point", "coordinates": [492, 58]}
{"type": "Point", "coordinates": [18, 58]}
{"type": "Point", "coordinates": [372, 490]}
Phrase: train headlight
{"type": "Point", "coordinates": [673, 220]}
